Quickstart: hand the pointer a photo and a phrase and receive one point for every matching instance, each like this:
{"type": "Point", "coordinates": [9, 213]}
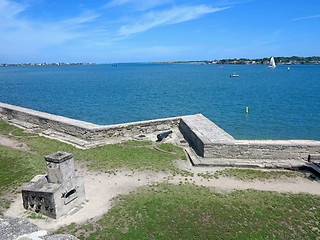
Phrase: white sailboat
{"type": "Point", "coordinates": [272, 63]}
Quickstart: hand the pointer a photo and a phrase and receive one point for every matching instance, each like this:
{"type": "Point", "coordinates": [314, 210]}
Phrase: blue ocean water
{"type": "Point", "coordinates": [283, 104]}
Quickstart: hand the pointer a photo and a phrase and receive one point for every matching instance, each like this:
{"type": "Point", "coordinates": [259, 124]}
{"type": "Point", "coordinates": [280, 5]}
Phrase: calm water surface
{"type": "Point", "coordinates": [282, 104]}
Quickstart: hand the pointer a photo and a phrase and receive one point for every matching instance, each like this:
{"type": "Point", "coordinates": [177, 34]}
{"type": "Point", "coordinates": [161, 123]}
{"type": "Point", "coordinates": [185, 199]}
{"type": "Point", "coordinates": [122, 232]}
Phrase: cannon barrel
{"type": "Point", "coordinates": [163, 135]}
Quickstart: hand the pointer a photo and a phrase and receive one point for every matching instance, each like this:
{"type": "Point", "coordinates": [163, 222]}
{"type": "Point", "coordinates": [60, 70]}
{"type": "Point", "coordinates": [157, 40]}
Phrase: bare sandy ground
{"type": "Point", "coordinates": [101, 188]}
{"type": "Point", "coordinates": [10, 142]}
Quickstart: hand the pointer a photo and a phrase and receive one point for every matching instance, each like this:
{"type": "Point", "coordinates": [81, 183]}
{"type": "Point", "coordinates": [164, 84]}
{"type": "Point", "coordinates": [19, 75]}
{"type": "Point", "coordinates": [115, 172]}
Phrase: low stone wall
{"type": "Point", "coordinates": [263, 149]}
{"type": "Point", "coordinates": [79, 133]}
{"type": "Point", "coordinates": [210, 141]}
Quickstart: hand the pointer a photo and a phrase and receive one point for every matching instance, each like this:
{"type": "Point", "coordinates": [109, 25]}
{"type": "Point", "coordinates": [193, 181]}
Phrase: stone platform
{"type": "Point", "coordinates": [211, 146]}
{"type": "Point", "coordinates": [55, 194]}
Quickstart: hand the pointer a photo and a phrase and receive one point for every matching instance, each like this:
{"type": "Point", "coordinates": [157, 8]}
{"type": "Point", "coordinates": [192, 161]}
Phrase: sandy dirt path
{"type": "Point", "coordinates": [13, 143]}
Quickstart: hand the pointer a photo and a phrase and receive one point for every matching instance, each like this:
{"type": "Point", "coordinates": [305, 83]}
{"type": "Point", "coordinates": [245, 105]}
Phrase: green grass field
{"type": "Point", "coordinates": [191, 212]}
{"type": "Point", "coordinates": [168, 211]}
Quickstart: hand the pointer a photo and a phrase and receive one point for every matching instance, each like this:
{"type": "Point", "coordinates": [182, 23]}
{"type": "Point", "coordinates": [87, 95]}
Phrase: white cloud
{"type": "Point", "coordinates": [175, 15]}
{"type": "Point", "coordinates": [9, 10]}
{"type": "Point", "coordinates": [90, 31]}
{"type": "Point", "coordinates": [25, 36]}
{"type": "Point", "coordinates": [86, 17]}
{"type": "Point", "coordinates": [308, 17]}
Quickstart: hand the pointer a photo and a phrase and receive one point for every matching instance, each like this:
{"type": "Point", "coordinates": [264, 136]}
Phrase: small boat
{"type": "Point", "coordinates": [234, 75]}
{"type": "Point", "coordinates": [272, 63]}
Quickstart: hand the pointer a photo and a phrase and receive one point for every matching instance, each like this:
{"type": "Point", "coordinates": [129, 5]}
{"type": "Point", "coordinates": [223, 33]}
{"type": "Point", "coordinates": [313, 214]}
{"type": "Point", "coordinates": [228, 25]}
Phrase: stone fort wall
{"type": "Point", "coordinates": [263, 149]}
{"type": "Point", "coordinates": [79, 133]}
{"type": "Point", "coordinates": [206, 138]}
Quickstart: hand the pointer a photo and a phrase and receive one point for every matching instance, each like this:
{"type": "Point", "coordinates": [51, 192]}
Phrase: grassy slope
{"type": "Point", "coordinates": [191, 212]}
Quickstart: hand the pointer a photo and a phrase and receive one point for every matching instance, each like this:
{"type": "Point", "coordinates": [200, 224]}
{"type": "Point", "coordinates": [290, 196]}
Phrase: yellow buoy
{"type": "Point", "coordinates": [247, 110]}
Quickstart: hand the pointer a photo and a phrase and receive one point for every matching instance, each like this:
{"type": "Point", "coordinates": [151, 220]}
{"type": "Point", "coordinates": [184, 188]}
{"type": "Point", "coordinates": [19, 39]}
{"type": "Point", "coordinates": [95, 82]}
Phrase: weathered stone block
{"type": "Point", "coordinates": [60, 167]}
{"type": "Point", "coordinates": [57, 193]}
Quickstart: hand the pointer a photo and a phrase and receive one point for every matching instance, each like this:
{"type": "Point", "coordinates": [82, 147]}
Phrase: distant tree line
{"type": "Point", "coordinates": [278, 60]}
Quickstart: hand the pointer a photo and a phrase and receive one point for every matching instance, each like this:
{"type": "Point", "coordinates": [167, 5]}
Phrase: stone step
{"type": "Point", "coordinates": [314, 158]}
{"type": "Point", "coordinates": [249, 163]}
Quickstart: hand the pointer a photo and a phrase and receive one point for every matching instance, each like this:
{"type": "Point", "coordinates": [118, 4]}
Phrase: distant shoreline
{"type": "Point", "coordinates": [294, 60]}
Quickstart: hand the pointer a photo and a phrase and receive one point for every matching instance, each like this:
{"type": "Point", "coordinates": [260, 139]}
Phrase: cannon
{"type": "Point", "coordinates": [163, 135]}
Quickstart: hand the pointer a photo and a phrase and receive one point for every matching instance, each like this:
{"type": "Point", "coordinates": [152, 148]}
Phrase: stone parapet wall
{"type": "Point", "coordinates": [210, 141]}
{"type": "Point", "coordinates": [263, 149]}
{"type": "Point", "coordinates": [80, 133]}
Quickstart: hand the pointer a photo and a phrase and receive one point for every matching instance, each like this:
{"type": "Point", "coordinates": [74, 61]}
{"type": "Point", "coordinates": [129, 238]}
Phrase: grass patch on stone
{"type": "Point", "coordinates": [168, 211]}
{"type": "Point", "coordinates": [252, 174]}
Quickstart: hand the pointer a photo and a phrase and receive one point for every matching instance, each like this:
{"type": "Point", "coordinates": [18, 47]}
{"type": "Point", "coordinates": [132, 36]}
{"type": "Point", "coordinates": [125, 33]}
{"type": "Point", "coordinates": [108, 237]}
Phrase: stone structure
{"type": "Point", "coordinates": [21, 229]}
{"type": "Point", "coordinates": [210, 141]}
{"type": "Point", "coordinates": [207, 140]}
{"type": "Point", "coordinates": [57, 193]}
{"type": "Point", "coordinates": [79, 133]}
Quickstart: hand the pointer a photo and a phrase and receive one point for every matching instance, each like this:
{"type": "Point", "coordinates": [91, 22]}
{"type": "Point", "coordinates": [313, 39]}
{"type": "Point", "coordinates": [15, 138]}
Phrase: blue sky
{"type": "Point", "coordinates": [156, 30]}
